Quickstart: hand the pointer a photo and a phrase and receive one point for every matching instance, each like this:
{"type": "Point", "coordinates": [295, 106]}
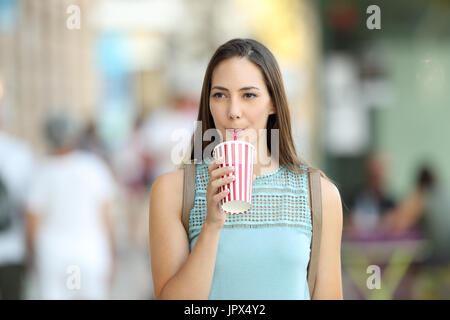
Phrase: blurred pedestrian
{"type": "Point", "coordinates": [427, 207]}
{"type": "Point", "coordinates": [69, 218]}
{"type": "Point", "coordinates": [426, 210]}
{"type": "Point", "coordinates": [407, 214]}
{"type": "Point", "coordinates": [372, 203]}
{"type": "Point", "coordinates": [134, 168]}
{"type": "Point", "coordinates": [91, 142]}
{"type": "Point", "coordinates": [16, 165]}
{"type": "Point", "coordinates": [164, 130]}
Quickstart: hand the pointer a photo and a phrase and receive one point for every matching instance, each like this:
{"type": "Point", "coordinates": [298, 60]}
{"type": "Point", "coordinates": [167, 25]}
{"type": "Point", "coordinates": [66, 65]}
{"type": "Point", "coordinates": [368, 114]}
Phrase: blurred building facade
{"type": "Point", "coordinates": [45, 65]}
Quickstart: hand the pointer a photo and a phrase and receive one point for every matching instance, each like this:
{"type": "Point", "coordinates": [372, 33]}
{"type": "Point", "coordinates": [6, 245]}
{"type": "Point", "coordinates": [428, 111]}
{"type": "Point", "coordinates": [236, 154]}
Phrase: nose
{"type": "Point", "coordinates": [235, 110]}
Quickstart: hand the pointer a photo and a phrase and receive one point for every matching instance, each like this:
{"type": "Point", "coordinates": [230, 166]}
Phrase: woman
{"type": "Point", "coordinates": [264, 253]}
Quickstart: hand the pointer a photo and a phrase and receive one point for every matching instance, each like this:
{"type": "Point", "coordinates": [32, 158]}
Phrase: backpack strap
{"type": "Point", "coordinates": [316, 216]}
{"type": "Point", "coordinates": [188, 193]}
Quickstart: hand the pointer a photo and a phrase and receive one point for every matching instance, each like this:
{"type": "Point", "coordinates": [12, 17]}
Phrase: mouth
{"type": "Point", "coordinates": [234, 131]}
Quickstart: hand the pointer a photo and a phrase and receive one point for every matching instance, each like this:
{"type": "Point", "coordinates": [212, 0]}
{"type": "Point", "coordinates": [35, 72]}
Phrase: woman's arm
{"type": "Point", "coordinates": [108, 222]}
{"type": "Point", "coordinates": [176, 273]}
{"type": "Point", "coordinates": [329, 283]}
{"type": "Point", "coordinates": [32, 222]}
{"type": "Point", "coordinates": [406, 214]}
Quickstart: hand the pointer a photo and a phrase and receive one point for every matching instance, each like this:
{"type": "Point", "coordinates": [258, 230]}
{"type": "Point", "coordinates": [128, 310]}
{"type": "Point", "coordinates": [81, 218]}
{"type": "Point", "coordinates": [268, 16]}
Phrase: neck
{"type": "Point", "coordinates": [265, 163]}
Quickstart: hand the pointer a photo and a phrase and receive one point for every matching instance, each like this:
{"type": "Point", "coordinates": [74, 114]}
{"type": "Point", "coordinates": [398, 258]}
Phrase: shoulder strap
{"type": "Point", "coordinates": [316, 208]}
{"type": "Point", "coordinates": [188, 193]}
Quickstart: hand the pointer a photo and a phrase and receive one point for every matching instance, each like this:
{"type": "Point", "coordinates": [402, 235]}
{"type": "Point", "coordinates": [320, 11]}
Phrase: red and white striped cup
{"type": "Point", "coordinates": [240, 155]}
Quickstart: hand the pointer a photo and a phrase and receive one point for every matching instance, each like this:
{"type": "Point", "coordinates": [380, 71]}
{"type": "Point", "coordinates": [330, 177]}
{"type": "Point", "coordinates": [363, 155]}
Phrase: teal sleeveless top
{"type": "Point", "coordinates": [263, 254]}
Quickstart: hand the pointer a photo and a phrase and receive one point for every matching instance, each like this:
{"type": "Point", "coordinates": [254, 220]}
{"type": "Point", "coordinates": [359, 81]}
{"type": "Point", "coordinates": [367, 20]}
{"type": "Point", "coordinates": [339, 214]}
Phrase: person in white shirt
{"type": "Point", "coordinates": [165, 131]}
{"type": "Point", "coordinates": [70, 227]}
{"type": "Point", "coordinates": [16, 165]}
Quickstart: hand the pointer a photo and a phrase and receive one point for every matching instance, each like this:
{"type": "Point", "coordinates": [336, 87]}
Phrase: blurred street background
{"type": "Point", "coordinates": [96, 94]}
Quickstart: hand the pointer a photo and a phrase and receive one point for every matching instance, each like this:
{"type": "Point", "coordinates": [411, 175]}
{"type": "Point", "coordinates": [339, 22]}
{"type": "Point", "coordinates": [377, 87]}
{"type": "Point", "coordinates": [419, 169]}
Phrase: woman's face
{"type": "Point", "coordinates": [239, 99]}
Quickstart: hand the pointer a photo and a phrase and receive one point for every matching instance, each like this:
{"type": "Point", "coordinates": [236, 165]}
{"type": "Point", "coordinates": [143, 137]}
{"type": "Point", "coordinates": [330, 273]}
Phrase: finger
{"type": "Point", "coordinates": [220, 172]}
{"type": "Point", "coordinates": [222, 181]}
{"type": "Point", "coordinates": [221, 195]}
{"type": "Point", "coordinates": [214, 165]}
{"type": "Point", "coordinates": [222, 176]}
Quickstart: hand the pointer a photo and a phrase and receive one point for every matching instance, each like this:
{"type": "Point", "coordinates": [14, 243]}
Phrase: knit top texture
{"type": "Point", "coordinates": [262, 254]}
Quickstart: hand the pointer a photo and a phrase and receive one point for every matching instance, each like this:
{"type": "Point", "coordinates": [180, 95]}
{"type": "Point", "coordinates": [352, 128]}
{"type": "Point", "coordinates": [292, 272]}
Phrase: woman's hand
{"type": "Point", "coordinates": [215, 216]}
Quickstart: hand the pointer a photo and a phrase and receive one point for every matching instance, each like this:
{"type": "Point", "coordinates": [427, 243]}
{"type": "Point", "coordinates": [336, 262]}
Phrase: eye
{"type": "Point", "coordinates": [250, 95]}
{"type": "Point", "coordinates": [218, 95]}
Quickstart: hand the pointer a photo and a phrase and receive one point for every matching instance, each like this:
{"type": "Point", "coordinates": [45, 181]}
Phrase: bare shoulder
{"type": "Point", "coordinates": [168, 190]}
{"type": "Point", "coordinates": [331, 200]}
{"type": "Point", "coordinates": [173, 179]}
{"type": "Point", "coordinates": [330, 192]}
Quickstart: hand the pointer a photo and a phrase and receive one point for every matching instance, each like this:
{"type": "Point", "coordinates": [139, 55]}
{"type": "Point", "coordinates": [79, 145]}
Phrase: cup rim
{"type": "Point", "coordinates": [234, 141]}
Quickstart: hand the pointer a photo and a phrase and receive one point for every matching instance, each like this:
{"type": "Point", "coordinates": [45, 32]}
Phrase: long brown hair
{"type": "Point", "coordinates": [281, 120]}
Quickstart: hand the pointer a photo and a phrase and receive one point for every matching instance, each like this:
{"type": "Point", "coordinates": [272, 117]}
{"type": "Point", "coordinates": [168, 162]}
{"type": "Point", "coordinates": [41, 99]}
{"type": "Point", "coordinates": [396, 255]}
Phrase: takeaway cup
{"type": "Point", "coordinates": [240, 155]}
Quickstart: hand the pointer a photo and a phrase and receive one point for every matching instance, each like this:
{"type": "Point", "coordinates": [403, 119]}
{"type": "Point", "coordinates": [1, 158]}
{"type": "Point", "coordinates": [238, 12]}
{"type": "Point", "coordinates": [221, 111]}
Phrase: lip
{"type": "Point", "coordinates": [234, 131]}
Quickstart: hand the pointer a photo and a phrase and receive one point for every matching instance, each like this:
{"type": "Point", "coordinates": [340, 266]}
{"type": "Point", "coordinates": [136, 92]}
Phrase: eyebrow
{"type": "Point", "coordinates": [241, 89]}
